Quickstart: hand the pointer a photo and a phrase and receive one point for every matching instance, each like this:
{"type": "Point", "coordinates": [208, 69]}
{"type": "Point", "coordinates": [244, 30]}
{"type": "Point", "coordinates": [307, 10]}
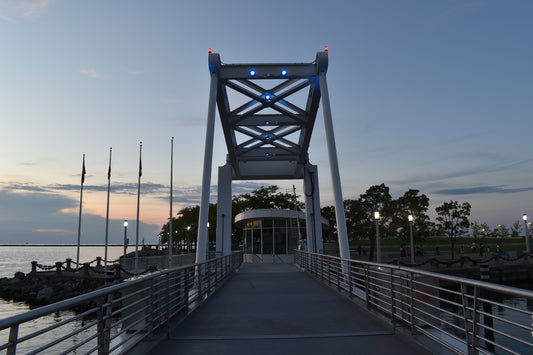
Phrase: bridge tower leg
{"type": "Point", "coordinates": [224, 216]}
{"type": "Point", "coordinates": [312, 207]}
{"type": "Point", "coordinates": [202, 236]}
{"type": "Point", "coordinates": [334, 168]}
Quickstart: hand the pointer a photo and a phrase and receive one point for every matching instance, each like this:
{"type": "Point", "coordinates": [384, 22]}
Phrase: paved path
{"type": "Point", "coordinates": [278, 309]}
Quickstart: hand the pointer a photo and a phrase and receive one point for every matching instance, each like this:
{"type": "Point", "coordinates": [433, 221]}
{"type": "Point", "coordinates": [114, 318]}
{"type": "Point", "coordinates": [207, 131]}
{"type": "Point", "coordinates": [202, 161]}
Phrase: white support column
{"type": "Point", "coordinates": [202, 237]}
{"type": "Point", "coordinates": [334, 167]}
{"type": "Point", "coordinates": [224, 221]}
{"type": "Point", "coordinates": [312, 207]}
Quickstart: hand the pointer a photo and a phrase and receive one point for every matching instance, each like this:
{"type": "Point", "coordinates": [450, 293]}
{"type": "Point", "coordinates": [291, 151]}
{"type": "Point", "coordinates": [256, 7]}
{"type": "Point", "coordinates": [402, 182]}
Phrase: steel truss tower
{"type": "Point", "coordinates": [267, 112]}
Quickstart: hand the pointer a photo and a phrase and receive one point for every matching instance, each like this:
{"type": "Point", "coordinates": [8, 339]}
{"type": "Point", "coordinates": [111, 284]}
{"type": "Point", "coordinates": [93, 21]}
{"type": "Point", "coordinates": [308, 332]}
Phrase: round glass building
{"type": "Point", "coordinates": [270, 235]}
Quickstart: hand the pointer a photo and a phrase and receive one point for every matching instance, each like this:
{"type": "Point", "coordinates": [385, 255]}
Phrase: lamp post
{"type": "Point", "coordinates": [524, 217]}
{"type": "Point", "coordinates": [125, 238]}
{"type": "Point", "coordinates": [188, 240]}
{"type": "Point", "coordinates": [378, 244]}
{"type": "Point", "coordinates": [411, 218]}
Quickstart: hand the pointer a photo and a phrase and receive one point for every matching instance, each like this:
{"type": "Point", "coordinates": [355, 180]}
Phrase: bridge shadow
{"type": "Point", "coordinates": [277, 308]}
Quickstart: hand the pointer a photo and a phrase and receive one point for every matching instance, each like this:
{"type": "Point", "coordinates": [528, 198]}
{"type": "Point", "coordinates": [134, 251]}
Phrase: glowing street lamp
{"type": "Point", "coordinates": [524, 217]}
{"type": "Point", "coordinates": [378, 244]}
{"type": "Point", "coordinates": [411, 218]}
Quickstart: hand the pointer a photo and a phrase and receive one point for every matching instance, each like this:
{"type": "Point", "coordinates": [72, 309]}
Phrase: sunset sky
{"type": "Point", "coordinates": [425, 94]}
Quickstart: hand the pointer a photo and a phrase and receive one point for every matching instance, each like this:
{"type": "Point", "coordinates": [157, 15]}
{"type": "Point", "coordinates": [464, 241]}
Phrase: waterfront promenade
{"type": "Point", "coordinates": [278, 309]}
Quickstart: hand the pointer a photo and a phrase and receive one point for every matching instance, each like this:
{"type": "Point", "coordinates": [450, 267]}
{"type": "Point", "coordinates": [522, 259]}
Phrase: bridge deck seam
{"type": "Point", "coordinates": [282, 336]}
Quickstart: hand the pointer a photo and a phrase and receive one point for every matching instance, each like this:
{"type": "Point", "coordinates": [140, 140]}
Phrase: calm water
{"type": "Point", "coordinates": [18, 258]}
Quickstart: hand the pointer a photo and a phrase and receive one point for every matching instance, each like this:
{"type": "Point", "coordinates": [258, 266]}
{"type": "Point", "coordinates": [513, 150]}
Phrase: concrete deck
{"type": "Point", "coordinates": [278, 309]}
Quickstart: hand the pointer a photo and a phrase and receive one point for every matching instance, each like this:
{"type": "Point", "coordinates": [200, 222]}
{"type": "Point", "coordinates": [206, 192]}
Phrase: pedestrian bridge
{"type": "Point", "coordinates": [320, 304]}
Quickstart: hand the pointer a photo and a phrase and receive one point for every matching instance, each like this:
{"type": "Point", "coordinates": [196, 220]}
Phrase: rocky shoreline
{"type": "Point", "coordinates": [40, 289]}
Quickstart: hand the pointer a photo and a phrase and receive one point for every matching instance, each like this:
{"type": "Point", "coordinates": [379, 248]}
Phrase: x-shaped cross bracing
{"type": "Point", "coordinates": [267, 133]}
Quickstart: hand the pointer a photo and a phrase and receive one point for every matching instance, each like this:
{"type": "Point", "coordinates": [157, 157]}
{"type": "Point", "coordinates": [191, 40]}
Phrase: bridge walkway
{"type": "Point", "coordinates": [279, 309]}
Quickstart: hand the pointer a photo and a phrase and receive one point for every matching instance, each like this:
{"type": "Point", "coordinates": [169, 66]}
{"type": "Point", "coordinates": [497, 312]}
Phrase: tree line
{"type": "Point", "coordinates": [452, 217]}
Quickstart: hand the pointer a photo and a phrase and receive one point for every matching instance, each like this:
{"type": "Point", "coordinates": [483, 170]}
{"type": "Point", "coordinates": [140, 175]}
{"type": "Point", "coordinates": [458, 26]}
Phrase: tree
{"type": "Point", "coordinates": [501, 231]}
{"type": "Point", "coordinates": [376, 199]}
{"type": "Point", "coordinates": [411, 203]}
{"type": "Point", "coordinates": [185, 225]}
{"type": "Point", "coordinates": [355, 217]}
{"type": "Point", "coordinates": [329, 233]}
{"type": "Point", "coordinates": [452, 220]}
{"type": "Point", "coordinates": [478, 230]}
{"type": "Point", "coordinates": [515, 228]}
{"type": "Point", "coordinates": [264, 197]}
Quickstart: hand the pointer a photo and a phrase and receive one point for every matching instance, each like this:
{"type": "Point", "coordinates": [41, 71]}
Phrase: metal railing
{"type": "Point", "coordinates": [465, 316]}
{"type": "Point", "coordinates": [116, 318]}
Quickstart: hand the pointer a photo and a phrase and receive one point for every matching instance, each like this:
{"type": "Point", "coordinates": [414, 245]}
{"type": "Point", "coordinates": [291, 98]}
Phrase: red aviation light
{"type": "Point", "coordinates": [210, 51]}
{"type": "Point", "coordinates": [325, 48]}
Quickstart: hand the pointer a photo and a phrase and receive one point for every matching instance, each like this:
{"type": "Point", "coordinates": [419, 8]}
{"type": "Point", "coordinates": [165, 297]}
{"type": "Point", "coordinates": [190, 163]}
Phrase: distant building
{"type": "Point", "coordinates": [271, 235]}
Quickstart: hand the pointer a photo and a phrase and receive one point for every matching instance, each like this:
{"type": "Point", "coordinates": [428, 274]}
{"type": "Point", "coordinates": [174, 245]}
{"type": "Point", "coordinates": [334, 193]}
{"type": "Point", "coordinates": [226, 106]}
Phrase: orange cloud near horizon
{"type": "Point", "coordinates": [57, 231]}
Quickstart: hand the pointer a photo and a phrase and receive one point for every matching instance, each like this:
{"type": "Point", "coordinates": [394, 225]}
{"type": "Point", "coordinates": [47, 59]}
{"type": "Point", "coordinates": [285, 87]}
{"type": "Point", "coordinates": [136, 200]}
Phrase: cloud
{"type": "Point", "coordinates": [62, 232]}
{"type": "Point", "coordinates": [470, 171]}
{"type": "Point", "coordinates": [120, 188]}
{"type": "Point", "coordinates": [12, 9]}
{"type": "Point", "coordinates": [36, 217]}
{"type": "Point", "coordinates": [90, 73]}
{"type": "Point", "coordinates": [132, 71]}
{"type": "Point", "coordinates": [482, 190]}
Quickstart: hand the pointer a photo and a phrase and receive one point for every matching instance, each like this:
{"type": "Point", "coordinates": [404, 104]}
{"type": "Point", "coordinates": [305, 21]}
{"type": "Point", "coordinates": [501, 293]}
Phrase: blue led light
{"type": "Point", "coordinates": [267, 97]}
{"type": "Point", "coordinates": [252, 72]}
{"type": "Point", "coordinates": [283, 72]}
{"type": "Point", "coordinates": [267, 155]}
{"type": "Point", "coordinates": [267, 123]}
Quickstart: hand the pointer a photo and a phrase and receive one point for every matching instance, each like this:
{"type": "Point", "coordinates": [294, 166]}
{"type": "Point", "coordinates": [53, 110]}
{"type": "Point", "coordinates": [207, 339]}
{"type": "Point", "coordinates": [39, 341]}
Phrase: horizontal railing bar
{"type": "Point", "coordinates": [470, 282]}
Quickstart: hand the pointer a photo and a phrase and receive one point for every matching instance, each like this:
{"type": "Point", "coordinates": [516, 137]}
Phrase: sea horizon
{"type": "Point", "coordinates": [70, 245]}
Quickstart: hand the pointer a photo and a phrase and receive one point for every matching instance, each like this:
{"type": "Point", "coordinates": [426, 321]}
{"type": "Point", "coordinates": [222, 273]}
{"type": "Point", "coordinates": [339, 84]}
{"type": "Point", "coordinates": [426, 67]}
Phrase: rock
{"type": "Point", "coordinates": [44, 295]}
{"type": "Point", "coordinates": [20, 275]}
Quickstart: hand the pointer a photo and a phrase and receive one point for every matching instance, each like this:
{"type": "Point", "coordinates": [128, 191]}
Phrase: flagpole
{"type": "Point", "coordinates": [107, 213]}
{"type": "Point", "coordinates": [79, 219]}
{"type": "Point", "coordinates": [171, 229]}
{"type": "Point", "coordinates": [138, 206]}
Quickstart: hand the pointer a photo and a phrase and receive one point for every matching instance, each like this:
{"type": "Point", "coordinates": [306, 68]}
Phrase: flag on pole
{"type": "Point", "coordinates": [83, 171]}
{"type": "Point", "coordinates": [109, 171]}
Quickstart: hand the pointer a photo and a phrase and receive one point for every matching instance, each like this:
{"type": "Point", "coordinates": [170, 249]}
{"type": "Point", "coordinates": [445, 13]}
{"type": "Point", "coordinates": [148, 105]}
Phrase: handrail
{"type": "Point", "coordinates": [117, 316]}
{"type": "Point", "coordinates": [461, 314]}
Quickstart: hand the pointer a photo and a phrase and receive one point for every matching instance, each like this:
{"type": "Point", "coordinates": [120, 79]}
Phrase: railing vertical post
{"type": "Point", "coordinates": [199, 281]}
{"type": "Point", "coordinates": [103, 324]}
{"type": "Point", "coordinates": [411, 301]}
{"type": "Point", "coordinates": [475, 322]}
{"type": "Point", "coordinates": [186, 289]}
{"type": "Point", "coordinates": [153, 305]}
{"type": "Point", "coordinates": [13, 336]}
{"type": "Point", "coordinates": [470, 329]}
{"type": "Point", "coordinates": [367, 288]}
{"type": "Point", "coordinates": [208, 270]}
{"type": "Point", "coordinates": [391, 295]}
{"type": "Point", "coordinates": [168, 298]}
